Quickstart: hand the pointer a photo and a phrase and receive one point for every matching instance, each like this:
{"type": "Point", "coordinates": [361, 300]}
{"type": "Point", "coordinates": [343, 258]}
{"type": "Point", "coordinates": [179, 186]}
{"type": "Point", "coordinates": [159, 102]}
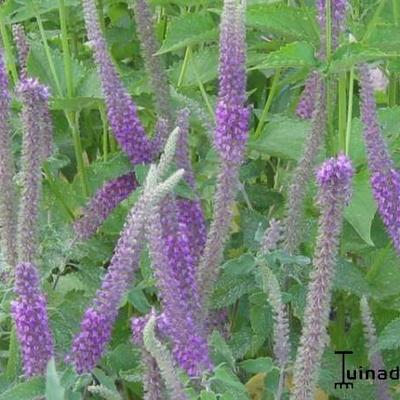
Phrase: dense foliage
{"type": "Point", "coordinates": [209, 261]}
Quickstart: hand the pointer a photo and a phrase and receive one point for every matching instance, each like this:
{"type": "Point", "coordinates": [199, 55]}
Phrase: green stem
{"type": "Point", "coordinates": [328, 29]}
{"type": "Point", "coordinates": [105, 131]}
{"type": "Point", "coordinates": [185, 63]}
{"type": "Point", "coordinates": [202, 89]}
{"type": "Point", "coordinates": [372, 24]}
{"type": "Point", "coordinates": [349, 111]}
{"type": "Point", "coordinates": [330, 107]}
{"type": "Point", "coordinates": [72, 118]}
{"type": "Point", "coordinates": [48, 54]}
{"type": "Point", "coordinates": [268, 103]}
{"type": "Point", "coordinates": [393, 84]}
{"type": "Point", "coordinates": [74, 124]}
{"type": "Point", "coordinates": [10, 61]}
{"type": "Point", "coordinates": [342, 111]}
{"type": "Point", "coordinates": [395, 12]}
{"type": "Point", "coordinates": [66, 50]}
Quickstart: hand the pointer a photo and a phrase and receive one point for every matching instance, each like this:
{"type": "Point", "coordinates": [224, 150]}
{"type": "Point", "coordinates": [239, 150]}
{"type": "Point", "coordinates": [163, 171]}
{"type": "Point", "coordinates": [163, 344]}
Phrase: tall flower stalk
{"type": "Point", "coordinates": [385, 178]}
{"type": "Point", "coordinates": [153, 62]}
{"type": "Point", "coordinates": [30, 315]}
{"type": "Point", "coordinates": [334, 190]}
{"type": "Point", "coordinates": [308, 99]}
{"type": "Point", "coordinates": [121, 110]}
{"type": "Point", "coordinates": [34, 98]}
{"type": "Point", "coordinates": [374, 355]}
{"type": "Point", "coordinates": [230, 138]}
{"type": "Point", "coordinates": [96, 326]}
{"type": "Point", "coordinates": [103, 202]}
{"type": "Point", "coordinates": [303, 172]}
{"type": "Point", "coordinates": [8, 214]}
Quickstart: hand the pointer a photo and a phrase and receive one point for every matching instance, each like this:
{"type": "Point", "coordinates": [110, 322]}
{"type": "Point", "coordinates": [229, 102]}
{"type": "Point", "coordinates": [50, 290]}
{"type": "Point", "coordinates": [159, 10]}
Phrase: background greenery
{"type": "Point", "coordinates": [282, 39]}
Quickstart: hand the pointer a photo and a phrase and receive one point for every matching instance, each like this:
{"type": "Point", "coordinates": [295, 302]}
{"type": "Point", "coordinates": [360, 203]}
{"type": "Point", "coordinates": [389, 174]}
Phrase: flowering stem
{"type": "Point", "coordinates": [184, 67]}
{"type": "Point", "coordinates": [8, 48]}
{"type": "Point", "coordinates": [393, 85]}
{"type": "Point", "coordinates": [103, 117]}
{"type": "Point", "coordinates": [72, 118]}
{"type": "Point", "coordinates": [349, 111]}
{"type": "Point", "coordinates": [342, 112]}
{"type": "Point", "coordinates": [372, 24]}
{"type": "Point", "coordinates": [65, 46]}
{"type": "Point", "coordinates": [395, 13]}
{"type": "Point", "coordinates": [48, 54]}
{"type": "Point", "coordinates": [268, 103]}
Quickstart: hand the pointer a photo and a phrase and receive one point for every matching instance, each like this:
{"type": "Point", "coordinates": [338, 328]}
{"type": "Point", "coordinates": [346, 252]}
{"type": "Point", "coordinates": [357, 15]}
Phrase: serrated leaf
{"type": "Point", "coordinates": [28, 390]}
{"type": "Point", "coordinates": [282, 137]}
{"type": "Point", "coordinates": [295, 55]}
{"type": "Point", "coordinates": [258, 365]}
{"type": "Point", "coordinates": [389, 339]}
{"type": "Point", "coordinates": [188, 30]}
{"type": "Point", "coordinates": [207, 395]}
{"type": "Point", "coordinates": [348, 55]}
{"type": "Point", "coordinates": [349, 278]}
{"type": "Point", "coordinates": [292, 23]}
{"type": "Point", "coordinates": [54, 389]}
{"type": "Point", "coordinates": [362, 208]}
{"type": "Point", "coordinates": [229, 381]}
{"type": "Point", "coordinates": [220, 350]}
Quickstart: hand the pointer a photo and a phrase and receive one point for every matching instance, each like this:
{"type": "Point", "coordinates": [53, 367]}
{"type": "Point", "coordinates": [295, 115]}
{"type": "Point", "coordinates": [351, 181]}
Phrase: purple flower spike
{"type": "Point", "coordinates": [232, 119]}
{"type": "Point", "coordinates": [306, 106]}
{"type": "Point", "coordinates": [102, 204]}
{"type": "Point", "coordinates": [153, 383]}
{"type": "Point", "coordinates": [30, 315]}
{"type": "Point", "coordinates": [339, 8]}
{"type": "Point", "coordinates": [334, 189]}
{"type": "Point", "coordinates": [34, 98]}
{"type": "Point", "coordinates": [8, 215]}
{"type": "Point", "coordinates": [22, 48]}
{"type": "Point", "coordinates": [232, 116]}
{"type": "Point", "coordinates": [374, 355]}
{"type": "Point", "coordinates": [175, 270]}
{"type": "Point", "coordinates": [385, 179]}
{"type": "Point", "coordinates": [89, 345]}
{"type": "Point", "coordinates": [121, 110]}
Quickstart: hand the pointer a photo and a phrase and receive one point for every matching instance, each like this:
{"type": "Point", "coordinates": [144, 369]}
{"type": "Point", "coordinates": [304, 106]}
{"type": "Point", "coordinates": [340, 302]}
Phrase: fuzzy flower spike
{"type": "Point", "coordinates": [8, 215]}
{"type": "Point", "coordinates": [34, 98]}
{"type": "Point", "coordinates": [230, 138]}
{"type": "Point", "coordinates": [374, 355]}
{"type": "Point", "coordinates": [385, 179]}
{"type": "Point", "coordinates": [122, 112]}
{"type": "Point", "coordinates": [30, 315]}
{"type": "Point", "coordinates": [334, 191]}
{"type": "Point", "coordinates": [98, 320]}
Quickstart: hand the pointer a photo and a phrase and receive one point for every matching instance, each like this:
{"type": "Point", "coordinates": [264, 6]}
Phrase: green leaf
{"type": "Point", "coordinates": [349, 55]}
{"type": "Point", "coordinates": [54, 390]}
{"type": "Point", "coordinates": [207, 395]}
{"type": "Point", "coordinates": [139, 300]}
{"type": "Point", "coordinates": [28, 390]}
{"type": "Point", "coordinates": [295, 55]}
{"type": "Point", "coordinates": [292, 23]}
{"type": "Point", "coordinates": [282, 137]}
{"type": "Point", "coordinates": [220, 350]}
{"type": "Point", "coordinates": [362, 208]}
{"type": "Point", "coordinates": [258, 365]}
{"type": "Point", "coordinates": [389, 339]}
{"type": "Point", "coordinates": [349, 278]}
{"type": "Point", "coordinates": [188, 30]}
{"type": "Point", "coordinates": [227, 380]}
